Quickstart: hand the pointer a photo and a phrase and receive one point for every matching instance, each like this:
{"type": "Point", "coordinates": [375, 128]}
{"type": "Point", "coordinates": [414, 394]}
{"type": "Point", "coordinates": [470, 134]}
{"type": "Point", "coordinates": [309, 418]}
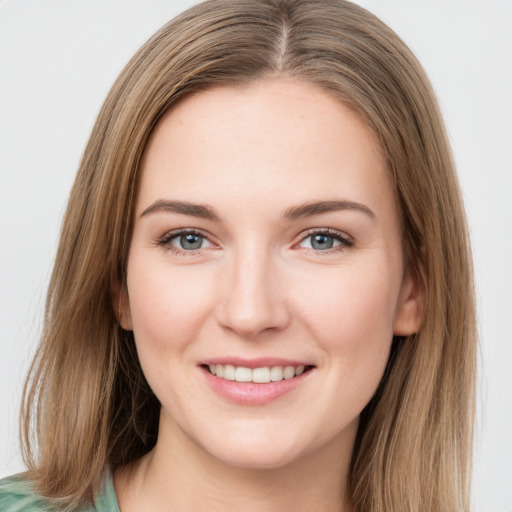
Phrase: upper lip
{"type": "Point", "coordinates": [260, 362]}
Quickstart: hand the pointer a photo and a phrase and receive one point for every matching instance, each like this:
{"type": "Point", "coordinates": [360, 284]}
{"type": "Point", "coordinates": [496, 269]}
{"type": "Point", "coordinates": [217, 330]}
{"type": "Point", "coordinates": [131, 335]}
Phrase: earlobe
{"type": "Point", "coordinates": [409, 313]}
{"type": "Point", "coordinates": [121, 305]}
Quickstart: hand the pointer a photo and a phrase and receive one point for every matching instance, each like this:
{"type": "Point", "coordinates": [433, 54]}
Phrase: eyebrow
{"type": "Point", "coordinates": [318, 207]}
{"type": "Point", "coordinates": [184, 208]}
{"type": "Point", "coordinates": [293, 213]}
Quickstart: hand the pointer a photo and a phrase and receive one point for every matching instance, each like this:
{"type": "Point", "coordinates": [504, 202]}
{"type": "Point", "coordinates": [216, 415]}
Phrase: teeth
{"type": "Point", "coordinates": [276, 373]}
{"type": "Point", "coordinates": [259, 375]}
{"type": "Point", "coordinates": [229, 372]}
{"type": "Point", "coordinates": [289, 372]}
{"type": "Point", "coordinates": [242, 374]}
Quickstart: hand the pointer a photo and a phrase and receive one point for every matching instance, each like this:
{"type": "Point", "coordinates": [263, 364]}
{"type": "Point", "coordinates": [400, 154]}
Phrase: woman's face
{"type": "Point", "coordinates": [266, 249]}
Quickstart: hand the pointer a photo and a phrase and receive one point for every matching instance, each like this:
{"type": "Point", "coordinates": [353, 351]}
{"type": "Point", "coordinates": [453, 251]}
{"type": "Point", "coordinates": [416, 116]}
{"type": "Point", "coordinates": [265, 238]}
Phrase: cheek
{"type": "Point", "coordinates": [351, 315]}
{"type": "Point", "coordinates": [166, 305]}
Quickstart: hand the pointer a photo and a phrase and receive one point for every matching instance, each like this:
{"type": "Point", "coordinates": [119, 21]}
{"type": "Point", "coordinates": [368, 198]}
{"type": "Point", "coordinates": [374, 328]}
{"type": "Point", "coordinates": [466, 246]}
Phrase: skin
{"type": "Point", "coordinates": [257, 288]}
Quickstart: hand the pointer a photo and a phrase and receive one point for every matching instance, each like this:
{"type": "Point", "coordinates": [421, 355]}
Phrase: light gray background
{"type": "Point", "coordinates": [59, 58]}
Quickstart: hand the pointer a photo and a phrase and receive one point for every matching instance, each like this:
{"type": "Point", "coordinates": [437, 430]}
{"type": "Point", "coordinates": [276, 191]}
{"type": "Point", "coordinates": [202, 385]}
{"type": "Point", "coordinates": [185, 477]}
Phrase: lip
{"type": "Point", "coordinates": [251, 393]}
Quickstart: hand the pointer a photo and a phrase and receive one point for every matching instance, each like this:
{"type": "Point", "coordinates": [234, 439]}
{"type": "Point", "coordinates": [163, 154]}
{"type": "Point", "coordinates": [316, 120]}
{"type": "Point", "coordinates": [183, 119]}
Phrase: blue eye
{"type": "Point", "coordinates": [321, 242]}
{"type": "Point", "coordinates": [188, 241]}
{"type": "Point", "coordinates": [184, 241]}
{"type": "Point", "coordinates": [324, 241]}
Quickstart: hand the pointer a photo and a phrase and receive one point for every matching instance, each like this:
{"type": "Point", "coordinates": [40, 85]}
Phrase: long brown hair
{"type": "Point", "coordinates": [86, 403]}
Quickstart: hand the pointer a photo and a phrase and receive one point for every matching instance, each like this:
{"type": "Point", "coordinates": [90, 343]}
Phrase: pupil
{"type": "Point", "coordinates": [322, 242]}
{"type": "Point", "coordinates": [191, 241]}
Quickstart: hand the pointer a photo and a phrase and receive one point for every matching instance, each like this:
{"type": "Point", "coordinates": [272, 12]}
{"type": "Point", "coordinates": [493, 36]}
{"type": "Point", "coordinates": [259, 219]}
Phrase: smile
{"type": "Point", "coordinates": [255, 381]}
{"type": "Point", "coordinates": [261, 375]}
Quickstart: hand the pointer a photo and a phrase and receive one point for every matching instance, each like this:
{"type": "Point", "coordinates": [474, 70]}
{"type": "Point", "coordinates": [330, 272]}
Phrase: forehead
{"type": "Point", "coordinates": [277, 135]}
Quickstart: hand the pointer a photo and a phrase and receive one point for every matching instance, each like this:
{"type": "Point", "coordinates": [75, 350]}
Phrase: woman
{"type": "Point", "coordinates": [262, 297]}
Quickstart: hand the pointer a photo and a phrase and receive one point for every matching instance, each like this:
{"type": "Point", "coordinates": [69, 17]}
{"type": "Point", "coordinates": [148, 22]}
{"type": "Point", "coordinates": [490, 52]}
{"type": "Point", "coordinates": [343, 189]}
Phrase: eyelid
{"type": "Point", "coordinates": [164, 241]}
{"type": "Point", "coordinates": [345, 239]}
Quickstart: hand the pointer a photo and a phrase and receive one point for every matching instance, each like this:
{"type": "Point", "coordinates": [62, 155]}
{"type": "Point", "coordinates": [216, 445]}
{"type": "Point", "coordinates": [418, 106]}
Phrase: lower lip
{"type": "Point", "coordinates": [251, 393]}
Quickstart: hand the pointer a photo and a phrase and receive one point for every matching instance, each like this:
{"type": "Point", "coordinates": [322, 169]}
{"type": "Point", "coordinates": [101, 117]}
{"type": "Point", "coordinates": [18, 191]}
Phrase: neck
{"type": "Point", "coordinates": [179, 475]}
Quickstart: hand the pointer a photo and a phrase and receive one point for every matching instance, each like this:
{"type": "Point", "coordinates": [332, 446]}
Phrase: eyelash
{"type": "Point", "coordinates": [165, 241]}
{"type": "Point", "coordinates": [345, 242]}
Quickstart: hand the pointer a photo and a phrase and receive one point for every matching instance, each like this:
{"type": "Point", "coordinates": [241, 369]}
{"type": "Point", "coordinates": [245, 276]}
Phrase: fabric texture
{"type": "Point", "coordinates": [17, 495]}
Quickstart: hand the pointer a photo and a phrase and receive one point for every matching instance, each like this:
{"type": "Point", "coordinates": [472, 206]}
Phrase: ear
{"type": "Point", "coordinates": [409, 312]}
{"type": "Point", "coordinates": [121, 305]}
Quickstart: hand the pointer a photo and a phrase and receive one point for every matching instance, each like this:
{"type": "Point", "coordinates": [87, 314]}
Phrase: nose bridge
{"type": "Point", "coordinates": [254, 301]}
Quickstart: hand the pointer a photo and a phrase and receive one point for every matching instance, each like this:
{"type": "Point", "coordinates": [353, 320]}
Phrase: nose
{"type": "Point", "coordinates": [253, 296]}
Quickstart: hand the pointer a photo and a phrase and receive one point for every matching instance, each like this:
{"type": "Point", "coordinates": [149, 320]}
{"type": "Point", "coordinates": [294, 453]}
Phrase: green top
{"type": "Point", "coordinates": [17, 495]}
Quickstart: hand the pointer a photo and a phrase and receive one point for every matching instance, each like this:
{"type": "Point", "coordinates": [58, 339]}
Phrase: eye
{"type": "Point", "coordinates": [189, 241]}
{"type": "Point", "coordinates": [184, 241]}
{"type": "Point", "coordinates": [324, 241]}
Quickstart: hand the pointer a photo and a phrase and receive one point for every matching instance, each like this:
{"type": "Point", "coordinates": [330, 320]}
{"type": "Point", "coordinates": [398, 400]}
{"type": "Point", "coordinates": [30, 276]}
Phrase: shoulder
{"type": "Point", "coordinates": [17, 494]}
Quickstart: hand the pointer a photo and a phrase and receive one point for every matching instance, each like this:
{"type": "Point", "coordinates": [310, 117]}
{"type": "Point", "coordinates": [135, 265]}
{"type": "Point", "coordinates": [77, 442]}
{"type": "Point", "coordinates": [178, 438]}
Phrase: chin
{"type": "Point", "coordinates": [259, 450]}
{"type": "Point", "coordinates": [256, 459]}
